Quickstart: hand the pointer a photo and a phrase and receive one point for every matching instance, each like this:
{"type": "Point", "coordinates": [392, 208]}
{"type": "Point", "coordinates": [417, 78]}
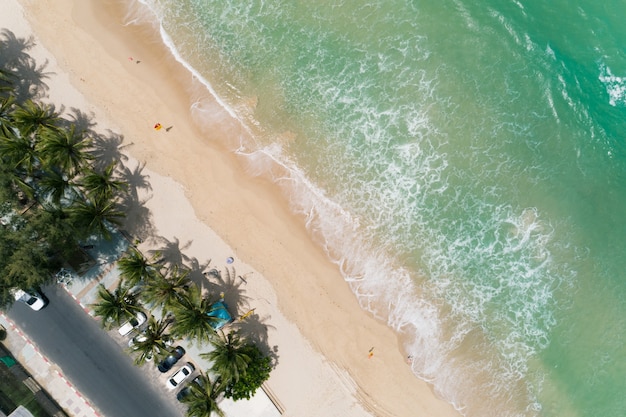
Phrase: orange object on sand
{"type": "Point", "coordinates": [158, 126]}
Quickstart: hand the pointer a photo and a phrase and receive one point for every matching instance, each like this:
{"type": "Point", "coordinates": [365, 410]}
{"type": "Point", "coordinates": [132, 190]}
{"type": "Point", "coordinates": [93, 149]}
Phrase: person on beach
{"type": "Point", "coordinates": [370, 354]}
{"type": "Point", "coordinates": [158, 126]}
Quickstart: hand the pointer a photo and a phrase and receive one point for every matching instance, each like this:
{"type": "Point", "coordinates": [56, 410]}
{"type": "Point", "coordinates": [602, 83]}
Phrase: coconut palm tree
{"type": "Point", "coordinates": [66, 149]}
{"type": "Point", "coordinates": [136, 268]}
{"type": "Point", "coordinates": [6, 82]}
{"type": "Point", "coordinates": [32, 118]}
{"type": "Point", "coordinates": [115, 307]}
{"type": "Point", "coordinates": [93, 216]}
{"type": "Point", "coordinates": [192, 319]}
{"type": "Point", "coordinates": [17, 151]}
{"type": "Point", "coordinates": [102, 185]}
{"type": "Point", "coordinates": [202, 398]}
{"type": "Point", "coordinates": [230, 357]}
{"type": "Point", "coordinates": [153, 341]}
{"type": "Point", "coordinates": [55, 186]}
{"type": "Point", "coordinates": [17, 154]}
{"type": "Point", "coordinates": [20, 186]}
{"type": "Point", "coordinates": [257, 372]}
{"type": "Point", "coordinates": [167, 291]}
{"type": "Point", "coordinates": [6, 108]}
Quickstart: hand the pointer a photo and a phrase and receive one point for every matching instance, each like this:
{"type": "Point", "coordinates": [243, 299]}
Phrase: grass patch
{"type": "Point", "coordinates": [14, 393]}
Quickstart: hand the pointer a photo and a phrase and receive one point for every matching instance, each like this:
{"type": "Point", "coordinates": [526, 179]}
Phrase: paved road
{"type": "Point", "coordinates": [91, 359]}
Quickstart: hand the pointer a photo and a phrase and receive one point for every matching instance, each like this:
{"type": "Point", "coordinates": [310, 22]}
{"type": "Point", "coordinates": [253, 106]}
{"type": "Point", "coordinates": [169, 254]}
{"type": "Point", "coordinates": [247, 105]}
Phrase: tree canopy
{"type": "Point", "coordinates": [257, 372]}
{"type": "Point", "coordinates": [51, 194]}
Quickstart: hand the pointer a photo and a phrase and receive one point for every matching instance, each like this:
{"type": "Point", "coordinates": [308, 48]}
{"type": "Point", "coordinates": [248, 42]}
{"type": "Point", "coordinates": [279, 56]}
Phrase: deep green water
{"type": "Point", "coordinates": [464, 164]}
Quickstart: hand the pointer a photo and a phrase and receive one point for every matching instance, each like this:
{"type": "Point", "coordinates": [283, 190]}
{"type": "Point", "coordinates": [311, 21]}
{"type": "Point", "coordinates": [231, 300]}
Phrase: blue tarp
{"type": "Point", "coordinates": [219, 311]}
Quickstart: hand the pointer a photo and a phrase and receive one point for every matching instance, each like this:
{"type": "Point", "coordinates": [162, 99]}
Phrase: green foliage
{"type": "Point", "coordinates": [153, 341]}
{"type": "Point", "coordinates": [17, 151]}
{"type": "Point", "coordinates": [168, 291]}
{"type": "Point", "coordinates": [43, 157]}
{"type": "Point", "coordinates": [202, 398]}
{"type": "Point", "coordinates": [56, 185]}
{"type": "Point", "coordinates": [32, 118]}
{"type": "Point", "coordinates": [115, 307]}
{"type": "Point", "coordinates": [102, 185]}
{"type": "Point", "coordinates": [192, 320]}
{"type": "Point", "coordinates": [65, 149]}
{"type": "Point", "coordinates": [29, 249]}
{"type": "Point", "coordinates": [257, 372]}
{"type": "Point", "coordinates": [230, 358]}
{"type": "Point", "coordinates": [55, 233]}
{"type": "Point", "coordinates": [13, 392]}
{"type": "Point", "coordinates": [137, 269]}
{"type": "Point", "coordinates": [6, 81]}
{"type": "Point", "coordinates": [94, 216]}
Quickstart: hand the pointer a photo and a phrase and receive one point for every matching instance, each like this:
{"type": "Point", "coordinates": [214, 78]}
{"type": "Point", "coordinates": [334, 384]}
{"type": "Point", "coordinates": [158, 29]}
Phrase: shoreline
{"type": "Point", "coordinates": [248, 214]}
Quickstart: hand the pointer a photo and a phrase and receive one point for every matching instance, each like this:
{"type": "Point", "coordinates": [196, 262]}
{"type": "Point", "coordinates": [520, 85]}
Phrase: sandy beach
{"type": "Point", "coordinates": [202, 199]}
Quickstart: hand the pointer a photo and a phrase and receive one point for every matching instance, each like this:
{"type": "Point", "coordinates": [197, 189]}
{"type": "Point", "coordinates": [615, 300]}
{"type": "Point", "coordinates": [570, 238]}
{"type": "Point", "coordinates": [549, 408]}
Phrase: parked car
{"type": "Point", "coordinates": [180, 375]}
{"type": "Point", "coordinates": [137, 339]}
{"type": "Point", "coordinates": [139, 319]}
{"type": "Point", "coordinates": [132, 344]}
{"type": "Point", "coordinates": [171, 359]}
{"type": "Point", "coordinates": [33, 298]}
{"type": "Point", "coordinates": [185, 391]}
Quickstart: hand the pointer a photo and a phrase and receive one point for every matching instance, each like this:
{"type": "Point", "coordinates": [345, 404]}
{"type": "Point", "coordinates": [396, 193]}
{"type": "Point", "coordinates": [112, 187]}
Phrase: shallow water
{"type": "Point", "coordinates": [464, 165]}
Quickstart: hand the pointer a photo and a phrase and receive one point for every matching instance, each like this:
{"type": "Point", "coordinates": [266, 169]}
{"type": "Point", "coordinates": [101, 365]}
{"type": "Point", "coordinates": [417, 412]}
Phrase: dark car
{"type": "Point", "coordinates": [185, 391]}
{"type": "Point", "coordinates": [171, 359]}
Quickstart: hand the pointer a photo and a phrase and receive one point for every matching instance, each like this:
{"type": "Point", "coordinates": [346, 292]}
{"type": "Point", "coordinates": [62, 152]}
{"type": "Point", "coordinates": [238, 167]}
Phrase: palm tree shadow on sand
{"type": "Point", "coordinates": [255, 329]}
{"type": "Point", "coordinates": [230, 285]}
{"type": "Point", "coordinates": [250, 325]}
{"type": "Point", "coordinates": [169, 252]}
{"type": "Point", "coordinates": [14, 56]}
{"type": "Point", "coordinates": [107, 149]}
{"type": "Point", "coordinates": [138, 217]}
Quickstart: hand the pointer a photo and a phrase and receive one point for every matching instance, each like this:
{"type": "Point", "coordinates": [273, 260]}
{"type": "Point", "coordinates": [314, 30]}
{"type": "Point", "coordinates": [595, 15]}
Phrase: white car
{"type": "Point", "coordinates": [139, 319]}
{"type": "Point", "coordinates": [137, 339]}
{"type": "Point", "coordinates": [32, 299]}
{"type": "Point", "coordinates": [180, 375]}
{"type": "Point", "coordinates": [132, 344]}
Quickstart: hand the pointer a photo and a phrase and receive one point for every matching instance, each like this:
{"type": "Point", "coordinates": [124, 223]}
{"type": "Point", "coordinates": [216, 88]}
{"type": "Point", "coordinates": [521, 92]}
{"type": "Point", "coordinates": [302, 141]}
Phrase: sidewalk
{"type": "Point", "coordinates": [84, 290]}
{"type": "Point", "coordinates": [45, 373]}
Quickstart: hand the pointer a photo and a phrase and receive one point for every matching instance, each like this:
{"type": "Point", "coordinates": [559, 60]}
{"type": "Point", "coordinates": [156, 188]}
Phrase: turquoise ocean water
{"type": "Point", "coordinates": [463, 162]}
